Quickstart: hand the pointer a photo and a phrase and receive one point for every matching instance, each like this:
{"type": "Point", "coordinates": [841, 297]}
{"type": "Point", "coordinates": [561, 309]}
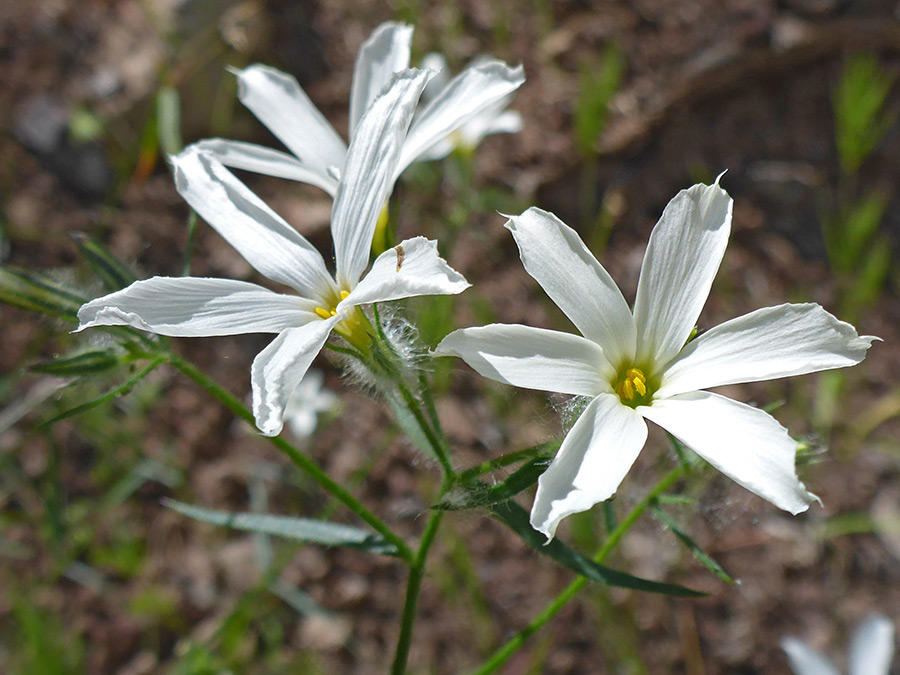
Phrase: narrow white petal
{"type": "Point", "coordinates": [595, 456]}
{"type": "Point", "coordinates": [804, 660]}
{"type": "Point", "coordinates": [872, 649]}
{"type": "Point", "coordinates": [384, 53]}
{"type": "Point", "coordinates": [279, 368]}
{"type": "Point", "coordinates": [534, 358]}
{"type": "Point", "coordinates": [746, 444]}
{"type": "Point", "coordinates": [281, 104]}
{"type": "Point", "coordinates": [246, 222]}
{"type": "Point", "coordinates": [368, 175]}
{"type": "Point", "coordinates": [437, 63]}
{"type": "Point", "coordinates": [410, 269]}
{"type": "Point", "coordinates": [681, 261]}
{"type": "Point", "coordinates": [553, 253]}
{"type": "Point", "coordinates": [766, 344]}
{"type": "Point", "coordinates": [195, 307]}
{"type": "Point", "coordinates": [269, 162]}
{"type": "Point", "coordinates": [476, 88]}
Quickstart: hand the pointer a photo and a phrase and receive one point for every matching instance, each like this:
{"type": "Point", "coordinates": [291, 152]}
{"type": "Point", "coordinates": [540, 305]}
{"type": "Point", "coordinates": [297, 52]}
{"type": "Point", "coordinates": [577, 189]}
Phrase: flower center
{"type": "Point", "coordinates": [352, 328]}
{"type": "Point", "coordinates": [632, 389]}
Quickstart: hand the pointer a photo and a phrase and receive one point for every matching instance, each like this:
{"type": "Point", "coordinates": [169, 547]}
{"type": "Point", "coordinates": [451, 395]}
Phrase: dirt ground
{"type": "Point", "coordinates": [117, 583]}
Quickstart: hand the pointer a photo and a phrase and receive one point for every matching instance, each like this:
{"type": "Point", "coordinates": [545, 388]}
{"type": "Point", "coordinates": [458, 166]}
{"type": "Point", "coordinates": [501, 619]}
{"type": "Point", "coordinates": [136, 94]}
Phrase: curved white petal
{"type": "Point", "coordinates": [279, 368]}
{"type": "Point", "coordinates": [553, 253]}
{"type": "Point", "coordinates": [269, 162]}
{"type": "Point", "coordinates": [594, 458]}
{"type": "Point", "coordinates": [281, 104]}
{"type": "Point", "coordinates": [474, 89]}
{"type": "Point", "coordinates": [766, 344]}
{"type": "Point", "coordinates": [804, 660]}
{"type": "Point", "coordinates": [246, 222]}
{"type": "Point", "coordinates": [534, 358]}
{"type": "Point", "coordinates": [437, 63]}
{"type": "Point", "coordinates": [385, 52]}
{"type": "Point", "coordinates": [872, 649]}
{"type": "Point", "coordinates": [681, 261]}
{"type": "Point", "coordinates": [746, 444]}
{"type": "Point", "coordinates": [410, 269]}
{"type": "Point", "coordinates": [368, 175]}
{"type": "Point", "coordinates": [197, 307]}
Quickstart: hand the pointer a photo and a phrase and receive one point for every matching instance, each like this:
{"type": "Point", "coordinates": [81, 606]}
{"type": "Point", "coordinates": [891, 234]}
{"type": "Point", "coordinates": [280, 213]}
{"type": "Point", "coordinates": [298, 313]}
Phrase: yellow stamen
{"type": "Point", "coordinates": [634, 382]}
{"type": "Point", "coordinates": [325, 313]}
{"type": "Point", "coordinates": [344, 294]}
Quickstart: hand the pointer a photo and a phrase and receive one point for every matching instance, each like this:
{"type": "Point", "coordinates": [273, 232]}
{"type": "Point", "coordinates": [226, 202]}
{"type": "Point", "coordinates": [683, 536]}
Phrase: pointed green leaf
{"type": "Point", "coordinates": [705, 559]}
{"type": "Point", "coordinates": [38, 292]}
{"type": "Point", "coordinates": [112, 272]}
{"type": "Point", "coordinates": [105, 398]}
{"type": "Point", "coordinates": [85, 363]}
{"type": "Point", "coordinates": [168, 120]}
{"type": "Point", "coordinates": [516, 518]}
{"type": "Point", "coordinates": [298, 529]}
{"type": "Point", "coordinates": [479, 494]}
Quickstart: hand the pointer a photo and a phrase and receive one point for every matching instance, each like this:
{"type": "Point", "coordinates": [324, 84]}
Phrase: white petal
{"type": "Point", "coordinates": [279, 368]}
{"type": "Point", "coordinates": [594, 458]}
{"type": "Point", "coordinates": [872, 649]}
{"type": "Point", "coordinates": [281, 104]}
{"type": "Point", "coordinates": [553, 253]}
{"type": "Point", "coordinates": [259, 159]}
{"type": "Point", "coordinates": [534, 358]}
{"type": "Point", "coordinates": [746, 444]}
{"type": "Point", "coordinates": [410, 269]}
{"type": "Point", "coordinates": [437, 63]}
{"type": "Point", "coordinates": [681, 261]}
{"type": "Point", "coordinates": [246, 222]}
{"type": "Point", "coordinates": [194, 307]}
{"type": "Point", "coordinates": [384, 53]}
{"type": "Point", "coordinates": [476, 88]}
{"type": "Point", "coordinates": [804, 660]}
{"type": "Point", "coordinates": [766, 344]}
{"type": "Point", "coordinates": [368, 175]}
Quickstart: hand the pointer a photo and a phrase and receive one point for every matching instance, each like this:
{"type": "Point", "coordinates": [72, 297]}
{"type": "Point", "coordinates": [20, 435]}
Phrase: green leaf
{"type": "Point", "coordinates": [860, 120]}
{"type": "Point", "coordinates": [38, 292]}
{"type": "Point", "coordinates": [112, 272]}
{"type": "Point", "coordinates": [108, 396]}
{"type": "Point", "coordinates": [479, 494]}
{"type": "Point", "coordinates": [168, 120]}
{"type": "Point", "coordinates": [516, 518]}
{"type": "Point", "coordinates": [298, 529]}
{"type": "Point", "coordinates": [407, 423]}
{"type": "Point", "coordinates": [598, 86]}
{"type": "Point", "coordinates": [705, 559]}
{"type": "Point", "coordinates": [85, 363]}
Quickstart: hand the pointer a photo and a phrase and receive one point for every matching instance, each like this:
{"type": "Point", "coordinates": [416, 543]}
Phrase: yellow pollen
{"type": "Point", "coordinates": [634, 382]}
{"type": "Point", "coordinates": [326, 313]}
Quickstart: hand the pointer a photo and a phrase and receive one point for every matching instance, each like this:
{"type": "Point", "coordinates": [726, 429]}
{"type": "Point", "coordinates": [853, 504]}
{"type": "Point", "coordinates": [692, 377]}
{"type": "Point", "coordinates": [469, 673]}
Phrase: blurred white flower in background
{"type": "Point", "coordinates": [871, 651]}
{"type": "Point", "coordinates": [309, 400]}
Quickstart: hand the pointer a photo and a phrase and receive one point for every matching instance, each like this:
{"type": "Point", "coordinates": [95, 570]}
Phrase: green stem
{"type": "Point", "coordinates": [298, 458]}
{"type": "Point", "coordinates": [413, 586]}
{"type": "Point", "coordinates": [509, 648]}
{"type": "Point", "coordinates": [434, 439]}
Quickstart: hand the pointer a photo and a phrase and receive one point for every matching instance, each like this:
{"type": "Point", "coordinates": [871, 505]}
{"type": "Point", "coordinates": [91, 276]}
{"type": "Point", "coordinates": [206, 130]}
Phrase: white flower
{"type": "Point", "coordinates": [310, 398]}
{"type": "Point", "coordinates": [280, 103]}
{"type": "Point", "coordinates": [202, 307]}
{"type": "Point", "coordinates": [871, 651]}
{"type": "Point", "coordinates": [640, 365]}
{"type": "Point", "coordinates": [494, 119]}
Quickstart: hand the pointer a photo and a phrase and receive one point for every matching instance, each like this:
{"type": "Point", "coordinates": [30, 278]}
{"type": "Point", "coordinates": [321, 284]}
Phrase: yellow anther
{"type": "Point", "coordinates": [325, 313]}
{"type": "Point", "coordinates": [344, 294]}
{"type": "Point", "coordinates": [634, 382]}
